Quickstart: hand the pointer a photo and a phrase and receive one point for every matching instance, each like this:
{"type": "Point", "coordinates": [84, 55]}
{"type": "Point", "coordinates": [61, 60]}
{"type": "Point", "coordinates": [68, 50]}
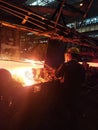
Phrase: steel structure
{"type": "Point", "coordinates": [24, 18]}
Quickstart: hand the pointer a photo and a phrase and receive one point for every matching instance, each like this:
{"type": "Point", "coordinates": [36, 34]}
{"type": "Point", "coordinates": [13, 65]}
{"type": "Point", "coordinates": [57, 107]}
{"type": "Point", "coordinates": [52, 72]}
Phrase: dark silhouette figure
{"type": "Point", "coordinates": [9, 99]}
{"type": "Point", "coordinates": [73, 75]}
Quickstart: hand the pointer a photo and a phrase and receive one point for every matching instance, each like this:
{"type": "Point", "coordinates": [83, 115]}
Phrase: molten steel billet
{"type": "Point", "coordinates": [23, 71]}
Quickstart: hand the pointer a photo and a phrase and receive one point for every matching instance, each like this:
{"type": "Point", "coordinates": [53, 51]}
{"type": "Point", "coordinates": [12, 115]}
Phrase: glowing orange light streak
{"type": "Point", "coordinates": [91, 64]}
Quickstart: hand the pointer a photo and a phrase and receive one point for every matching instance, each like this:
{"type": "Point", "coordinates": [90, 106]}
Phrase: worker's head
{"type": "Point", "coordinates": [5, 75]}
{"type": "Point", "coordinates": [5, 79]}
{"type": "Point", "coordinates": [72, 53]}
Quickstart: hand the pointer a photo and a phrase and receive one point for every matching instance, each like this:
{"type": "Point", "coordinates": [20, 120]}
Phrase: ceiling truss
{"type": "Point", "coordinates": [42, 26]}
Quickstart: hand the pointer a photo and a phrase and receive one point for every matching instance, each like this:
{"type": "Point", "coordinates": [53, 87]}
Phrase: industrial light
{"type": "Point", "coordinates": [81, 4]}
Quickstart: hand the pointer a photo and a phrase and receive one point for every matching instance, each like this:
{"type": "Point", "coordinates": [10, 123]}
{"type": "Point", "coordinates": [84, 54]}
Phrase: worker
{"type": "Point", "coordinates": [72, 74]}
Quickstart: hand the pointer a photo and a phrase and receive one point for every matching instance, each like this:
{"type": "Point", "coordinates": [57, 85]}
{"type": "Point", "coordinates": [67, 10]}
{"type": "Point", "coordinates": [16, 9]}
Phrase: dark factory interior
{"type": "Point", "coordinates": [48, 64]}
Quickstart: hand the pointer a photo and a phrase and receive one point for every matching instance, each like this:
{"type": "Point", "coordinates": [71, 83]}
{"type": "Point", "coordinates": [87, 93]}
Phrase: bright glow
{"type": "Point", "coordinates": [81, 4]}
{"type": "Point", "coordinates": [23, 75]}
{"type": "Point", "coordinates": [92, 64]}
{"type": "Point", "coordinates": [22, 71]}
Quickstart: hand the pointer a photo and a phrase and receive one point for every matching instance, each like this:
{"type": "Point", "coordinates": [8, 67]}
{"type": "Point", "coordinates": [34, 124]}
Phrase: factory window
{"type": "Point", "coordinates": [41, 3]}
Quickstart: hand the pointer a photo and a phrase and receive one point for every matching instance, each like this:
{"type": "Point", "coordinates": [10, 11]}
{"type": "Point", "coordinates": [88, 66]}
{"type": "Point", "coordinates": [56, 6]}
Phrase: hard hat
{"type": "Point", "coordinates": [73, 50]}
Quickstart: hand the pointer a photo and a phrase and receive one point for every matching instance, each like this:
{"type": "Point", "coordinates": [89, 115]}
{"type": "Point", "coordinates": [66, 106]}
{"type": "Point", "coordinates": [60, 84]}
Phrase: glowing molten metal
{"type": "Point", "coordinates": [23, 71]}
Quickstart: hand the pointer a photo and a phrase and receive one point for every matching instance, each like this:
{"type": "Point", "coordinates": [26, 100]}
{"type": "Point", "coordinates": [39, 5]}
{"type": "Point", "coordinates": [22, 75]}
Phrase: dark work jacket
{"type": "Point", "coordinates": [73, 74]}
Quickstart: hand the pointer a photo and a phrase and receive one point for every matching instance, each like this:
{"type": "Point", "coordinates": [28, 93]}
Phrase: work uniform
{"type": "Point", "coordinates": [73, 74]}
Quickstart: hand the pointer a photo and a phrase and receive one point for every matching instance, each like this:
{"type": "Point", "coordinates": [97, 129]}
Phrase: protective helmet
{"type": "Point", "coordinates": [73, 50]}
